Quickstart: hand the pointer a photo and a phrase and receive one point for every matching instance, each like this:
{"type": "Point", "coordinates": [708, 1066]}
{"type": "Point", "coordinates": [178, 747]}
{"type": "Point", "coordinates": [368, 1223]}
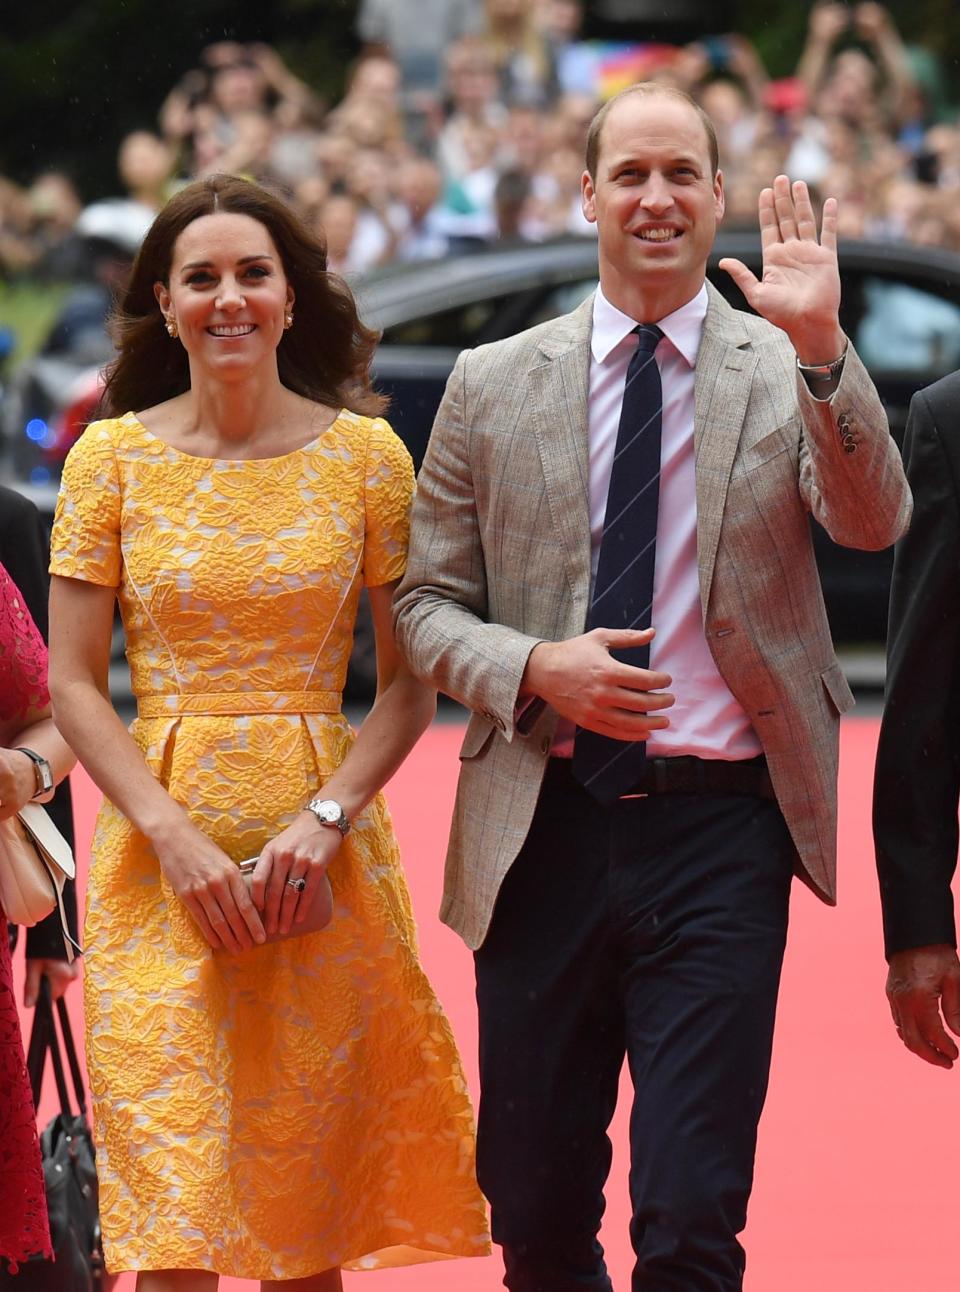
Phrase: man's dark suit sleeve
{"type": "Point", "coordinates": [918, 759]}
{"type": "Point", "coordinates": [23, 552]}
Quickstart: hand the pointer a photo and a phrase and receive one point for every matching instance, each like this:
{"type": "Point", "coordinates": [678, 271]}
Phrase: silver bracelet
{"type": "Point", "coordinates": [824, 371]}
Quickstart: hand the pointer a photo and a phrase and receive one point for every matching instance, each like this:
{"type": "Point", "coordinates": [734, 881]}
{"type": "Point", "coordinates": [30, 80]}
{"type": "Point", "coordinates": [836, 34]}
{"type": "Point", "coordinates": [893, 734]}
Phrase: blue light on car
{"type": "Point", "coordinates": [40, 475]}
{"type": "Point", "coordinates": [36, 429]}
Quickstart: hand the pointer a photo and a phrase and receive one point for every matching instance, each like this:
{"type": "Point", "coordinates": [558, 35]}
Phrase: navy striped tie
{"type": "Point", "coordinates": [623, 589]}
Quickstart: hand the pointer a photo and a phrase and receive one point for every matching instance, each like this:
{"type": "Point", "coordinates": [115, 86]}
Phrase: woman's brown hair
{"type": "Point", "coordinates": [325, 356]}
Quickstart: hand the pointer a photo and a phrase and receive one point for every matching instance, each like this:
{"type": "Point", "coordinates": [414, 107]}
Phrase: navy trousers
{"type": "Point", "coordinates": [654, 930]}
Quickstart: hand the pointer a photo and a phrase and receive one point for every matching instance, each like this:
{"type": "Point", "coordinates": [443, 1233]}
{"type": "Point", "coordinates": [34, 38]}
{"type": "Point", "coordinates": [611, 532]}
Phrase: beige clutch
{"type": "Point", "coordinates": [35, 863]}
{"type": "Point", "coordinates": [318, 916]}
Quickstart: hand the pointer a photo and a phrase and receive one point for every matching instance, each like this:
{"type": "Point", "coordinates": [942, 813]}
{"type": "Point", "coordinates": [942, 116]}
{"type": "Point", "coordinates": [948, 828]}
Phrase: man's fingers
{"type": "Point", "coordinates": [624, 638]}
{"type": "Point", "coordinates": [783, 204]}
{"type": "Point", "coordinates": [806, 221]}
{"type": "Point", "coordinates": [632, 700]}
{"type": "Point", "coordinates": [923, 1033]}
{"type": "Point", "coordinates": [745, 279]}
{"type": "Point", "coordinates": [923, 1049]}
{"type": "Point", "coordinates": [828, 230]}
{"type": "Point", "coordinates": [630, 677]}
{"type": "Point", "coordinates": [769, 224]}
{"type": "Point", "coordinates": [625, 727]}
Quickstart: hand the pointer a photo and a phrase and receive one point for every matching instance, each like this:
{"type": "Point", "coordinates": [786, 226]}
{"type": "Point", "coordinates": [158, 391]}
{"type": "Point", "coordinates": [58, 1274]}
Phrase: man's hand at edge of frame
{"type": "Point", "coordinates": [922, 984]}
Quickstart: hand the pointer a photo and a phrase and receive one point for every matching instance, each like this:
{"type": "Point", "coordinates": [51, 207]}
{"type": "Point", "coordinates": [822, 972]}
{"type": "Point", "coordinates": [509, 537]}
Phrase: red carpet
{"type": "Point", "coordinates": [856, 1183]}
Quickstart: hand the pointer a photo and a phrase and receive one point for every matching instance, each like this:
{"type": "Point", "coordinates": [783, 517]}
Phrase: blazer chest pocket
{"type": "Point", "coordinates": [783, 439]}
{"type": "Point", "coordinates": [475, 740]}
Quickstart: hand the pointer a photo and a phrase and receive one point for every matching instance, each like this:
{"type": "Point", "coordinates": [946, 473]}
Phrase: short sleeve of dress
{"type": "Point", "coordinates": [85, 541]}
{"type": "Point", "coordinates": [389, 496]}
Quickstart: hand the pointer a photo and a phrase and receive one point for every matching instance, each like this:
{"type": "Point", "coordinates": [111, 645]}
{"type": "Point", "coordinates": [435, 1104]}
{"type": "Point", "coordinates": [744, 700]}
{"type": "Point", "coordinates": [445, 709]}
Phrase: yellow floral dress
{"type": "Point", "coordinates": [300, 1105]}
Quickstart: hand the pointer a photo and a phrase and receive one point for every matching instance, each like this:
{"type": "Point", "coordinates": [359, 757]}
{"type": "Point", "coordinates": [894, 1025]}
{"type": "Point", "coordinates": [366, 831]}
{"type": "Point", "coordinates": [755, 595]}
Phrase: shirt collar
{"type": "Point", "coordinates": [683, 328]}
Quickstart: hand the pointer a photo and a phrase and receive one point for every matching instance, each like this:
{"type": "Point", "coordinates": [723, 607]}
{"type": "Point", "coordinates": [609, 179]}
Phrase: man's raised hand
{"type": "Point", "coordinates": [799, 290]}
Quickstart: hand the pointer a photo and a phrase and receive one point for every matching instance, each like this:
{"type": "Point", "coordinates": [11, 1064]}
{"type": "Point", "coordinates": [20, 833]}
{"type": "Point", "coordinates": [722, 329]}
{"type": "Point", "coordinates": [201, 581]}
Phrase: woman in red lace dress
{"type": "Point", "coordinates": [24, 721]}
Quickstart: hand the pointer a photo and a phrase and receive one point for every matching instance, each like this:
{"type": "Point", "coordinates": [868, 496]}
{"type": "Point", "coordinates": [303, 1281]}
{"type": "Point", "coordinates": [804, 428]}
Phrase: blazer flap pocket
{"type": "Point", "coordinates": [837, 688]}
{"type": "Point", "coordinates": [780, 440]}
{"type": "Point", "coordinates": [479, 730]}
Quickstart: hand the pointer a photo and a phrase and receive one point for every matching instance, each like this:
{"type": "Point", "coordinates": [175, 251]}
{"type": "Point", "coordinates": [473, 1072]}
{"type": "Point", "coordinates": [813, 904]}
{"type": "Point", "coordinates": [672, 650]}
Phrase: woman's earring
{"type": "Point", "coordinates": [172, 328]}
{"type": "Point", "coordinates": [287, 321]}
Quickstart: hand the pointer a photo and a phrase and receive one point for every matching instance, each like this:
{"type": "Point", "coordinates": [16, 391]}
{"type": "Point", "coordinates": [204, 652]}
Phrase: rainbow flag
{"type": "Point", "coordinates": [619, 64]}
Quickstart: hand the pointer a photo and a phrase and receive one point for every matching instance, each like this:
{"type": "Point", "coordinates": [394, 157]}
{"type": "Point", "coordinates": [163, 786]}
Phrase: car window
{"type": "Point", "coordinates": [561, 299]}
{"type": "Point", "coordinates": [903, 328]}
{"type": "Point", "coordinates": [455, 328]}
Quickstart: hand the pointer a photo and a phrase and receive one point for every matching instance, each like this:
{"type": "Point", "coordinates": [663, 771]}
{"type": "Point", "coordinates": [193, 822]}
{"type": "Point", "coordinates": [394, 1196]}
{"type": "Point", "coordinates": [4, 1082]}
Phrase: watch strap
{"type": "Point", "coordinates": [41, 770]}
{"type": "Point", "coordinates": [824, 371]}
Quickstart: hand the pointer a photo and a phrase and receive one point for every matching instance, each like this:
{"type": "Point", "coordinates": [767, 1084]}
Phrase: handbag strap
{"type": "Point", "coordinates": [43, 1039]}
{"type": "Point", "coordinates": [71, 946]}
{"type": "Point", "coordinates": [67, 1033]}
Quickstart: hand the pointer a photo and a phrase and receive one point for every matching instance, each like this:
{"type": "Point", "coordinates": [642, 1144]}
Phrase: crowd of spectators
{"type": "Point", "coordinates": [463, 123]}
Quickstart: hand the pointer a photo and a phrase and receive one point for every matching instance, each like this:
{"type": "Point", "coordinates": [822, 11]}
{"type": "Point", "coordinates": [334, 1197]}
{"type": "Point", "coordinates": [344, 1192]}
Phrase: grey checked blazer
{"type": "Point", "coordinates": [500, 559]}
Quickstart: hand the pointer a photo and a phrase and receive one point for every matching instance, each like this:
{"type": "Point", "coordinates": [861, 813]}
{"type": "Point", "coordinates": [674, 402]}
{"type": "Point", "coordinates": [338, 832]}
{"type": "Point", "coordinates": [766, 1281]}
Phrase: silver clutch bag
{"type": "Point", "coordinates": [316, 918]}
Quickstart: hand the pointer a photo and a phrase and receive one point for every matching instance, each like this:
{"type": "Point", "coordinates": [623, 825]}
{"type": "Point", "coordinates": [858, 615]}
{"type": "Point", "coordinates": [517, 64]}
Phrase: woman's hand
{"type": "Point", "coordinates": [18, 782]}
{"type": "Point", "coordinates": [303, 851]}
{"type": "Point", "coordinates": [59, 972]}
{"type": "Point", "coordinates": [211, 887]}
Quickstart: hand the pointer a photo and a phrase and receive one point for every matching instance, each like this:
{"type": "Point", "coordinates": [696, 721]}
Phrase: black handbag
{"type": "Point", "coordinates": [69, 1172]}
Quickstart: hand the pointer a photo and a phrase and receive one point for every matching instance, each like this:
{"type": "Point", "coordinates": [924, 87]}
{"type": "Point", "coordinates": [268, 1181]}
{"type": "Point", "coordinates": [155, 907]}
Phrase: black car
{"type": "Point", "coordinates": [901, 309]}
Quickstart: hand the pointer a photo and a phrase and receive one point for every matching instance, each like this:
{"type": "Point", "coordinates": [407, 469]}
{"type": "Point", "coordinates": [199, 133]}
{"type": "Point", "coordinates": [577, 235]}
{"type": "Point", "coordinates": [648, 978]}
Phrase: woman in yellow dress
{"type": "Point", "coordinates": [272, 1110]}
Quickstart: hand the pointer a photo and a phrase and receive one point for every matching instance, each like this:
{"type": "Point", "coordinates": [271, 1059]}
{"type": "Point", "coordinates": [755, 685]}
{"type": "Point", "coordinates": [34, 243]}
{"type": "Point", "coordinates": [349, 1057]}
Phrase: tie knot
{"type": "Point", "coordinates": [648, 335]}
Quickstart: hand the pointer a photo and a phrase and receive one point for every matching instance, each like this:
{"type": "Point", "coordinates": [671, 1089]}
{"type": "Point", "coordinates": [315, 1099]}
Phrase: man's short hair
{"type": "Point", "coordinates": [648, 89]}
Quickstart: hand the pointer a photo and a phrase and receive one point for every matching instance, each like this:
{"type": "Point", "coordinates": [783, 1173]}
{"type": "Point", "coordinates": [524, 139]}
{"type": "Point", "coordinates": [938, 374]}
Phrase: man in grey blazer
{"type": "Point", "coordinates": [611, 566]}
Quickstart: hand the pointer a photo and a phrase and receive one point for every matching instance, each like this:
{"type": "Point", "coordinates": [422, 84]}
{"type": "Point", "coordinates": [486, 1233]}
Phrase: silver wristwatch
{"type": "Point", "coordinates": [825, 371]}
{"type": "Point", "coordinates": [41, 770]}
{"type": "Point", "coordinates": [329, 812]}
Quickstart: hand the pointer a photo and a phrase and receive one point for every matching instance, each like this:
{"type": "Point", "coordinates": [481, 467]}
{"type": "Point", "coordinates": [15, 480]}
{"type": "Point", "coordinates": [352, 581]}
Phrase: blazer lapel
{"type": "Point", "coordinates": [558, 383]}
{"type": "Point", "coordinates": [726, 364]}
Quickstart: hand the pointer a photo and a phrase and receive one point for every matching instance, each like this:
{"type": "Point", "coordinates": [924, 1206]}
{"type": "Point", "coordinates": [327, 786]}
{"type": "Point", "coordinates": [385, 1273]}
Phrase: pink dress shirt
{"type": "Point", "coordinates": [705, 720]}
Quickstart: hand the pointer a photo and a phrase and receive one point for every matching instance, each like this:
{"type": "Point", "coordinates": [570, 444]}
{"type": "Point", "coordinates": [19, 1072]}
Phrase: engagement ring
{"type": "Point", "coordinates": [298, 884]}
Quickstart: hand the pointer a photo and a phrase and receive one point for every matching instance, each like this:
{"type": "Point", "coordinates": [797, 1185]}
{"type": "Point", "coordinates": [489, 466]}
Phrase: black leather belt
{"type": "Point", "coordinates": [688, 775]}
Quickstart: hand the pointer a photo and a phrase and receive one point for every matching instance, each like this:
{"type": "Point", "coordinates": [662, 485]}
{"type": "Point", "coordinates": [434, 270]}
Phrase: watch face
{"type": "Point", "coordinates": [329, 812]}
